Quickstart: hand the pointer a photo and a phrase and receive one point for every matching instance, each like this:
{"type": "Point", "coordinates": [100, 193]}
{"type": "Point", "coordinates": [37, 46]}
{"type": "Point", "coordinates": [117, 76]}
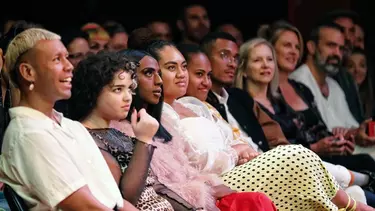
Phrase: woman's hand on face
{"type": "Point", "coordinates": [145, 128]}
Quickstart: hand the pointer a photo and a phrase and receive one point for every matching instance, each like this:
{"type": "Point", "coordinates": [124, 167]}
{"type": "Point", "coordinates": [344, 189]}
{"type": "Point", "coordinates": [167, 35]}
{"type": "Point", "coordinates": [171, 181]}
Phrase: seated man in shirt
{"type": "Point", "coordinates": [50, 161]}
{"type": "Point", "coordinates": [325, 52]}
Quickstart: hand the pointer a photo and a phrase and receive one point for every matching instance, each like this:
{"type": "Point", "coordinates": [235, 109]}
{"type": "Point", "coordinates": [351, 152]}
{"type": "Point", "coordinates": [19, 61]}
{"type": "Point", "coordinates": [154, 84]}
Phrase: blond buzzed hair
{"type": "Point", "coordinates": [22, 43]}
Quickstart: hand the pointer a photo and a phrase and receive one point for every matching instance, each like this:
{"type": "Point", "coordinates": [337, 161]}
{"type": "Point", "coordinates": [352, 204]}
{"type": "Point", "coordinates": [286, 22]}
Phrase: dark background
{"type": "Point", "coordinates": [56, 15]}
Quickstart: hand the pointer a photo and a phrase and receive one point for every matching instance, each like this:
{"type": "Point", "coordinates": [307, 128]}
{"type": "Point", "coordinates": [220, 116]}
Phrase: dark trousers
{"type": "Point", "coordinates": [370, 198]}
{"type": "Point", "coordinates": [358, 162]}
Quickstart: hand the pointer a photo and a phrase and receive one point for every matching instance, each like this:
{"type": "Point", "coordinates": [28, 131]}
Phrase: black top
{"type": "Point", "coordinates": [300, 127]}
{"type": "Point", "coordinates": [134, 166]}
{"type": "Point", "coordinates": [4, 110]}
{"type": "Point", "coordinates": [348, 85]}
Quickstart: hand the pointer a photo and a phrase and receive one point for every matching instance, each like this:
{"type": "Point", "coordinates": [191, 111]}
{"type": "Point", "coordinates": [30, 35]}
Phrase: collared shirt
{"type": "Point", "coordinates": [45, 161]}
{"type": "Point", "coordinates": [223, 99]}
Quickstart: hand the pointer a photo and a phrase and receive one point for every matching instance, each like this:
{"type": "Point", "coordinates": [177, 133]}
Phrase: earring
{"type": "Point", "coordinates": [31, 87]}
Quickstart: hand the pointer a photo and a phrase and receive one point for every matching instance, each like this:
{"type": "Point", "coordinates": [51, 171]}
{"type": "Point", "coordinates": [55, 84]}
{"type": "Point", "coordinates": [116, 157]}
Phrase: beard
{"type": "Point", "coordinates": [328, 66]}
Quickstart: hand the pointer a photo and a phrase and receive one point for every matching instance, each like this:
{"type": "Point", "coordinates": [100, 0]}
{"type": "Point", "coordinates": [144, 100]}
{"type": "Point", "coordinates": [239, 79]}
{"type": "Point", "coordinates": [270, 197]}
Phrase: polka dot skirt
{"type": "Point", "coordinates": [291, 175]}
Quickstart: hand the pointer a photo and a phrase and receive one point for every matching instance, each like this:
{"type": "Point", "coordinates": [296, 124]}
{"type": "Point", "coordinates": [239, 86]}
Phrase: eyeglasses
{"type": "Point", "coordinates": [228, 58]}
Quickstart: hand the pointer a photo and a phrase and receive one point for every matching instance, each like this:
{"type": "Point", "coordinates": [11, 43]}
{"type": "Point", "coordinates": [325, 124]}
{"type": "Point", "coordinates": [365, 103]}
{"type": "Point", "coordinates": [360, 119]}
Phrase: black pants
{"type": "Point", "coordinates": [370, 198]}
{"type": "Point", "coordinates": [356, 162]}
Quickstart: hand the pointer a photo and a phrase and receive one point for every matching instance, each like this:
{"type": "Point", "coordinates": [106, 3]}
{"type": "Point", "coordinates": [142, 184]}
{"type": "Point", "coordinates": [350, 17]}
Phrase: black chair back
{"type": "Point", "coordinates": [15, 202]}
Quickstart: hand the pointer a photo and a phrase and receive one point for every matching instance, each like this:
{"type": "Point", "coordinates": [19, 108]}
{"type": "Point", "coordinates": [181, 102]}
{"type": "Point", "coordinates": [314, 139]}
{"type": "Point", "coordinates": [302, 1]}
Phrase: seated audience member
{"type": "Point", "coordinates": [139, 38]}
{"type": "Point", "coordinates": [76, 43]}
{"type": "Point", "coordinates": [98, 37]}
{"type": "Point", "coordinates": [346, 20]}
{"type": "Point", "coordinates": [235, 162]}
{"type": "Point", "coordinates": [170, 164]}
{"type": "Point", "coordinates": [322, 63]}
{"type": "Point", "coordinates": [232, 30]}
{"type": "Point", "coordinates": [118, 36]}
{"type": "Point", "coordinates": [103, 86]}
{"type": "Point", "coordinates": [359, 41]}
{"type": "Point", "coordinates": [193, 22]}
{"type": "Point", "coordinates": [358, 67]}
{"type": "Point", "coordinates": [51, 161]}
{"type": "Point", "coordinates": [161, 30]}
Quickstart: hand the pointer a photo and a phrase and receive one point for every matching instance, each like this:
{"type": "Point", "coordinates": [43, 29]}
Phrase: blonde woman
{"type": "Point", "coordinates": [257, 73]}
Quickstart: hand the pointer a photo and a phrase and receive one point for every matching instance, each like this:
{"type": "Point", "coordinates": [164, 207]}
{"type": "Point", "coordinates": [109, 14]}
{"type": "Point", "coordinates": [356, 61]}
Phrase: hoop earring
{"type": "Point", "coordinates": [31, 87]}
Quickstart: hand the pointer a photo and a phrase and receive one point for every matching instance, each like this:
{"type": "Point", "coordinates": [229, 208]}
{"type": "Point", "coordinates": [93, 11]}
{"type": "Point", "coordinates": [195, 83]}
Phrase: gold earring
{"type": "Point", "coordinates": [31, 87]}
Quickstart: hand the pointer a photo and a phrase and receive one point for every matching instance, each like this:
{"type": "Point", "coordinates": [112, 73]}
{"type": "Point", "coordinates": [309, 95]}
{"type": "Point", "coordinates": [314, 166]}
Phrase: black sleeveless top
{"type": "Point", "coordinates": [299, 127]}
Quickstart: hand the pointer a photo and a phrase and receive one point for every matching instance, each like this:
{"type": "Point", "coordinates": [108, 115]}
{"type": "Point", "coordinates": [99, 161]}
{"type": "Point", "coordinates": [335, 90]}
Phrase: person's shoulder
{"type": "Point", "coordinates": [300, 72]}
{"type": "Point", "coordinates": [239, 94]}
{"type": "Point", "coordinates": [236, 91]}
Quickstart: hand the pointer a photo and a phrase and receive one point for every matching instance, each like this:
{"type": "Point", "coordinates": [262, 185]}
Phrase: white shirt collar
{"type": "Point", "coordinates": [26, 112]}
{"type": "Point", "coordinates": [223, 98]}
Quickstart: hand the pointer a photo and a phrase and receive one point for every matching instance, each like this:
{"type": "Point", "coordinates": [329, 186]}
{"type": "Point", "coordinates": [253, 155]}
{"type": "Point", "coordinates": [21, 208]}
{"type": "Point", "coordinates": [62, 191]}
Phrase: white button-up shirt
{"type": "Point", "coordinates": [45, 162]}
{"type": "Point", "coordinates": [223, 99]}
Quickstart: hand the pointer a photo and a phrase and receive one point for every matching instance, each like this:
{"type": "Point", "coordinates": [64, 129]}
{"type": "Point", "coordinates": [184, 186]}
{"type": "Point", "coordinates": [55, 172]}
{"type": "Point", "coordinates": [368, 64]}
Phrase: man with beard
{"type": "Point", "coordinates": [347, 19]}
{"type": "Point", "coordinates": [193, 23]}
{"type": "Point", "coordinates": [325, 53]}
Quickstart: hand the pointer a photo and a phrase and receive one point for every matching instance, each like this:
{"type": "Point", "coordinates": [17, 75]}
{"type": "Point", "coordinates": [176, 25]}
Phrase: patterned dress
{"type": "Point", "coordinates": [121, 148]}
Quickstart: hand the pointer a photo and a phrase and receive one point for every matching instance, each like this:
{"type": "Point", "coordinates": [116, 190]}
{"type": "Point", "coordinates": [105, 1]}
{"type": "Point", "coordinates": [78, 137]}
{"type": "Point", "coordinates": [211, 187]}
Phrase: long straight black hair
{"type": "Point", "coordinates": [138, 102]}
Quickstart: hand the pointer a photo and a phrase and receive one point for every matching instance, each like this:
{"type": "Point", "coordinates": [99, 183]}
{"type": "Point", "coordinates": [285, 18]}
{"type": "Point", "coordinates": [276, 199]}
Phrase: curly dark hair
{"type": "Point", "coordinates": [91, 76]}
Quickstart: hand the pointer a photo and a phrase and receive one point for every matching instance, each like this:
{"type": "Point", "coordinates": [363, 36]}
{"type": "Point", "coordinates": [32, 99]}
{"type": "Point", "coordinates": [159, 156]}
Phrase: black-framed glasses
{"type": "Point", "coordinates": [228, 58]}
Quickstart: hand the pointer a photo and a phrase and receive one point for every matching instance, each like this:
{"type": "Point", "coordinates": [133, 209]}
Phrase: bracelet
{"type": "Point", "coordinates": [351, 178]}
{"type": "Point", "coordinates": [349, 202]}
{"type": "Point", "coordinates": [354, 207]}
{"type": "Point", "coordinates": [148, 145]}
{"type": "Point", "coordinates": [145, 142]}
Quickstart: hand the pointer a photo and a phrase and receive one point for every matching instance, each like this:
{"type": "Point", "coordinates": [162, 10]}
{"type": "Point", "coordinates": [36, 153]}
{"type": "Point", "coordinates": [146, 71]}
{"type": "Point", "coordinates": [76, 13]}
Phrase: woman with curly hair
{"type": "Point", "coordinates": [103, 88]}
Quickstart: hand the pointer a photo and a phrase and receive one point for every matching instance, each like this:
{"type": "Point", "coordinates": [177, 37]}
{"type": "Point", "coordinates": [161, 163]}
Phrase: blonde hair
{"type": "Point", "coordinates": [22, 43]}
{"type": "Point", "coordinates": [272, 33]}
{"type": "Point", "coordinates": [246, 50]}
